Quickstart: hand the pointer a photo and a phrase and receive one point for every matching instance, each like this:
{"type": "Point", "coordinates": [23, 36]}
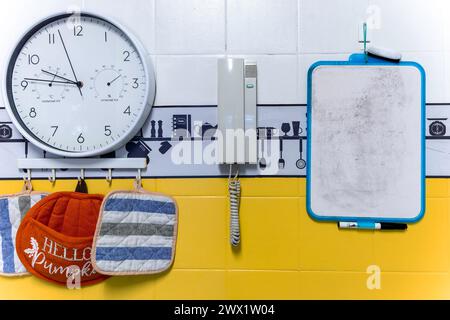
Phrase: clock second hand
{"type": "Point", "coordinates": [79, 83]}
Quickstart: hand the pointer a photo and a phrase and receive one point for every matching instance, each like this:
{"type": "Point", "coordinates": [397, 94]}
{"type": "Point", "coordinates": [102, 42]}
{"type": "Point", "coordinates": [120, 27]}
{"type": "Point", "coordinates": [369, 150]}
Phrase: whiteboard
{"type": "Point", "coordinates": [366, 142]}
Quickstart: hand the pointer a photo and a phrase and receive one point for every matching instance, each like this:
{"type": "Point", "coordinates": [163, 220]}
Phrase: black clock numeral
{"type": "Point", "coordinates": [24, 84]}
{"type": "Point", "coordinates": [51, 38]}
{"type": "Point", "coordinates": [106, 36]}
{"type": "Point", "coordinates": [127, 111]}
{"type": "Point", "coordinates": [55, 129]}
{"type": "Point", "coordinates": [135, 83]}
{"type": "Point", "coordinates": [33, 59]}
{"type": "Point", "coordinates": [127, 56]}
{"type": "Point", "coordinates": [78, 31]}
{"type": "Point", "coordinates": [108, 131]}
{"type": "Point", "coordinates": [81, 139]}
{"type": "Point", "coordinates": [33, 113]}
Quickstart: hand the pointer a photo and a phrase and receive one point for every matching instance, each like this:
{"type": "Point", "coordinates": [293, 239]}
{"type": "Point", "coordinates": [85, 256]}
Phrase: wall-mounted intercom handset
{"type": "Point", "coordinates": [237, 111]}
{"type": "Point", "coordinates": [237, 115]}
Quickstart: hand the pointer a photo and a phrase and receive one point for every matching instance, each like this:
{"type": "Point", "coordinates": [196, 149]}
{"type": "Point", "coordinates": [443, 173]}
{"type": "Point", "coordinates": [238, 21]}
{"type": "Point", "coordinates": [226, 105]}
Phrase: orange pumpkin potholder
{"type": "Point", "coordinates": [54, 240]}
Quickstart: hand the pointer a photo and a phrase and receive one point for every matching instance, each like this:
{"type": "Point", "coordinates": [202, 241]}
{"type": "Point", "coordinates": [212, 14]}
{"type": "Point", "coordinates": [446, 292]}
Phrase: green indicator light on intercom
{"type": "Point", "coordinates": [250, 86]}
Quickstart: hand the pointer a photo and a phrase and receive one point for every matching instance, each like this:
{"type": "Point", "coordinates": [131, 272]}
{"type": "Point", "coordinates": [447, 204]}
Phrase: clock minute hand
{"type": "Point", "coordinates": [79, 83]}
{"type": "Point", "coordinates": [60, 77]}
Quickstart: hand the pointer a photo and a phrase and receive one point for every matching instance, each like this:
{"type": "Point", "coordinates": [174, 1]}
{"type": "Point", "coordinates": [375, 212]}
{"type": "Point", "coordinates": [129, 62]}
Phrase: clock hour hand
{"type": "Point", "coordinates": [79, 83]}
{"type": "Point", "coordinates": [60, 77]}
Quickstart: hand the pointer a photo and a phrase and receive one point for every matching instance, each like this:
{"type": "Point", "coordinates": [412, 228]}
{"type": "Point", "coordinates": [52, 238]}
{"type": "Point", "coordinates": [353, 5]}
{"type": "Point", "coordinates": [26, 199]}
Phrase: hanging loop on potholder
{"type": "Point", "coordinates": [13, 209]}
{"type": "Point", "coordinates": [136, 233]}
{"type": "Point", "coordinates": [81, 184]}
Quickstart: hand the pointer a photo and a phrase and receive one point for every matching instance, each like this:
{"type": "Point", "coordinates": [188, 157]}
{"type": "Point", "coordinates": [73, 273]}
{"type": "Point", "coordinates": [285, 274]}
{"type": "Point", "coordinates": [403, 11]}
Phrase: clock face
{"type": "Point", "coordinates": [78, 85]}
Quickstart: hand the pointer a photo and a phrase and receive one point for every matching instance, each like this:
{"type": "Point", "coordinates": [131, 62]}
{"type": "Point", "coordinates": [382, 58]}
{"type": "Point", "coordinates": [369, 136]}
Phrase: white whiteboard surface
{"type": "Point", "coordinates": [366, 142]}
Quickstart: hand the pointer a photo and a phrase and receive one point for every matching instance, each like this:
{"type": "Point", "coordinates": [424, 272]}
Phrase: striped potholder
{"type": "Point", "coordinates": [136, 233]}
{"type": "Point", "coordinates": [12, 210]}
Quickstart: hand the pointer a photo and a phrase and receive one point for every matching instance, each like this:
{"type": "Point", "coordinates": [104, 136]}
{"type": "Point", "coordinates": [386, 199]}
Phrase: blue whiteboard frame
{"type": "Point", "coordinates": [360, 60]}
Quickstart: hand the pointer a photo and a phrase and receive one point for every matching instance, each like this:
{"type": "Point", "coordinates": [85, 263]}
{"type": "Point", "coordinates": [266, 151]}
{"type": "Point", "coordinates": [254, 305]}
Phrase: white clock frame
{"type": "Point", "coordinates": [149, 93]}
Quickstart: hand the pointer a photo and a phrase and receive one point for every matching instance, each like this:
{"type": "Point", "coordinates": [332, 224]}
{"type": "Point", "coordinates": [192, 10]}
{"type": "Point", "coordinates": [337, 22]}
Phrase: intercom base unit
{"type": "Point", "coordinates": [237, 111]}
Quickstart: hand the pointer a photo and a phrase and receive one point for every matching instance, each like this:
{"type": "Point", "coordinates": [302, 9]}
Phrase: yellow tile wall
{"type": "Point", "coordinates": [284, 253]}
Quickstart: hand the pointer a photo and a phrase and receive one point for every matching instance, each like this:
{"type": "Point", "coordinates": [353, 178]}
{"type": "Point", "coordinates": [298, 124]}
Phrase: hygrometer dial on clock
{"type": "Point", "coordinates": [79, 85]}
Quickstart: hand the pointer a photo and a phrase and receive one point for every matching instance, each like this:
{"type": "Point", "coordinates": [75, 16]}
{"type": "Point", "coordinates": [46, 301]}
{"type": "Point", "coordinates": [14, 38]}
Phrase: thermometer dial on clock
{"type": "Point", "coordinates": [79, 85]}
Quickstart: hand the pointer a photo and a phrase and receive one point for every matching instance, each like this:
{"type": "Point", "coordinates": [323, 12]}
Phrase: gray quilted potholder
{"type": "Point", "coordinates": [136, 233]}
{"type": "Point", "coordinates": [12, 210]}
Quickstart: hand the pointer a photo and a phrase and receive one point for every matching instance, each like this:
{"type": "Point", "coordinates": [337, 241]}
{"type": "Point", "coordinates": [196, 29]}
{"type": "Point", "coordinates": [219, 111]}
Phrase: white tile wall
{"type": "Point", "coordinates": [434, 65]}
{"type": "Point", "coordinates": [190, 26]}
{"type": "Point", "coordinates": [185, 37]}
{"type": "Point", "coordinates": [331, 26]}
{"type": "Point", "coordinates": [262, 26]}
{"type": "Point", "coordinates": [142, 24]}
{"type": "Point", "coordinates": [446, 32]}
{"type": "Point", "coordinates": [410, 25]}
{"type": "Point", "coordinates": [447, 77]}
{"type": "Point", "coordinates": [186, 80]}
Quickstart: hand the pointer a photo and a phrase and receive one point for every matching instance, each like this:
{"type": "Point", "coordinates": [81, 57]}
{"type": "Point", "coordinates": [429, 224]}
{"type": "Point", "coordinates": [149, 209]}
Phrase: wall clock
{"type": "Point", "coordinates": [79, 85]}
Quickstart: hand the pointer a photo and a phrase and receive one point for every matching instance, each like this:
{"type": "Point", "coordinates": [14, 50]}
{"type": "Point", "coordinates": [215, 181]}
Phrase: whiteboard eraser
{"type": "Point", "coordinates": [383, 53]}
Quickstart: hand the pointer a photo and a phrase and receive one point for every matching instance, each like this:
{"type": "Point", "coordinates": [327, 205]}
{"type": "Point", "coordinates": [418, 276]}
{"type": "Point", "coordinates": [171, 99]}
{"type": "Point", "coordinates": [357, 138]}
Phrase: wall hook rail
{"type": "Point", "coordinates": [82, 165]}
